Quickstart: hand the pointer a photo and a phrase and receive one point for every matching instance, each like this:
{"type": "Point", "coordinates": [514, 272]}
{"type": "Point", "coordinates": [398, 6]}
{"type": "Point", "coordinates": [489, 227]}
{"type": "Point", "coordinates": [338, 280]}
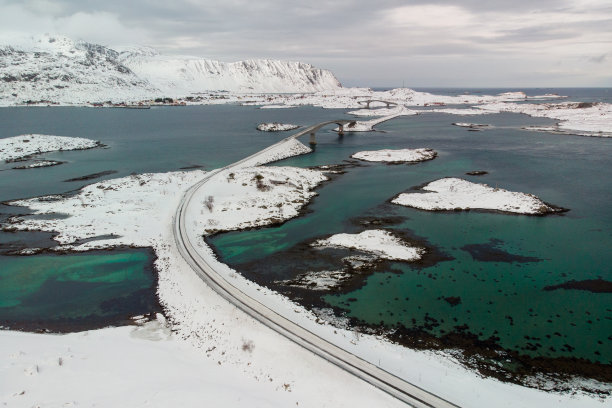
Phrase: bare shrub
{"type": "Point", "coordinates": [209, 203]}
{"type": "Point", "coordinates": [247, 345]}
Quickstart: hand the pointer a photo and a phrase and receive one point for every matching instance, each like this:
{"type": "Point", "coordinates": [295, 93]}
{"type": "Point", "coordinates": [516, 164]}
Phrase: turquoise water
{"type": "Point", "coordinates": [501, 298]}
{"type": "Point", "coordinates": [73, 292]}
{"type": "Point", "coordinates": [67, 292]}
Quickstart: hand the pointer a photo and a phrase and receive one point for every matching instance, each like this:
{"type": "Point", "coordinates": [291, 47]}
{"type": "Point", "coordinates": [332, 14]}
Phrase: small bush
{"type": "Point", "coordinates": [247, 345]}
{"type": "Point", "coordinates": [209, 203]}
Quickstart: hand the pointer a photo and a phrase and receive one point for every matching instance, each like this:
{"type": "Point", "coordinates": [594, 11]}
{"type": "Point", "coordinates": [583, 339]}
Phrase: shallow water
{"type": "Point", "coordinates": [503, 297]}
{"type": "Point", "coordinates": [159, 139]}
{"type": "Point", "coordinates": [66, 292]}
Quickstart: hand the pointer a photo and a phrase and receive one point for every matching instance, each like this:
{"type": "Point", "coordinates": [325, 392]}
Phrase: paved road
{"type": "Point", "coordinates": [204, 267]}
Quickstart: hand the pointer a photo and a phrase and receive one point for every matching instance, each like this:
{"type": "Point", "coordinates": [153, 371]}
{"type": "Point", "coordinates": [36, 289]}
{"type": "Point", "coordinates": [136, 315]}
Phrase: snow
{"type": "Point", "coordinates": [379, 242]}
{"type": "Point", "coordinates": [253, 197]}
{"type": "Point", "coordinates": [351, 98]}
{"type": "Point", "coordinates": [184, 75]}
{"type": "Point", "coordinates": [473, 126]}
{"type": "Point", "coordinates": [397, 155]}
{"type": "Point", "coordinates": [38, 164]}
{"type": "Point", "coordinates": [19, 147]}
{"type": "Point", "coordinates": [319, 280]}
{"type": "Point", "coordinates": [148, 365]}
{"type": "Point", "coordinates": [458, 194]}
{"type": "Point", "coordinates": [276, 127]}
{"type": "Point", "coordinates": [215, 351]}
{"type": "Point", "coordinates": [288, 148]}
{"type": "Point", "coordinates": [576, 118]}
{"type": "Point", "coordinates": [53, 69]}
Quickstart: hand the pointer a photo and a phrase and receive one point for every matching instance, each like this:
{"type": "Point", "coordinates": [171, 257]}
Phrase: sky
{"type": "Point", "coordinates": [376, 43]}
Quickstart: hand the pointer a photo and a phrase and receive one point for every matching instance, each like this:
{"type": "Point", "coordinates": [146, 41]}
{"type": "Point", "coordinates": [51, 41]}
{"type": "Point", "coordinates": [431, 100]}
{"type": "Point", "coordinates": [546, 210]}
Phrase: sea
{"type": "Point", "coordinates": [525, 287]}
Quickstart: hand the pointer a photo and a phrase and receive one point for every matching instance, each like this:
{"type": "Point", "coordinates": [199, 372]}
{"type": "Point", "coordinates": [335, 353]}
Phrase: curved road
{"type": "Point", "coordinates": [370, 373]}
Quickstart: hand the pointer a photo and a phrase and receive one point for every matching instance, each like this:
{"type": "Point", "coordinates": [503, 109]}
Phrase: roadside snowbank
{"type": "Point", "coordinates": [458, 194]}
{"type": "Point", "coordinates": [276, 127]}
{"type": "Point", "coordinates": [396, 156]}
{"type": "Point", "coordinates": [276, 152]}
{"type": "Point", "coordinates": [19, 147]}
{"type": "Point", "coordinates": [367, 126]}
{"type": "Point", "coordinates": [378, 242]}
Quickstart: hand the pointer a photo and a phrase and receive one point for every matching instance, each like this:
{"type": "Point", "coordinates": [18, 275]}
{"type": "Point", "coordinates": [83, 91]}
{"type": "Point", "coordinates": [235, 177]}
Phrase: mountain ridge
{"type": "Point", "coordinates": [57, 69]}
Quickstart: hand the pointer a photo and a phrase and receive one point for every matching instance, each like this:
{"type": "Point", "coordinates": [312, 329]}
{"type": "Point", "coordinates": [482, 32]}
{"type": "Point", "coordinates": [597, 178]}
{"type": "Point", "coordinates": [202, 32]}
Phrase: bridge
{"type": "Point", "coordinates": [369, 101]}
{"type": "Point", "coordinates": [204, 265]}
{"type": "Point", "coordinates": [312, 130]}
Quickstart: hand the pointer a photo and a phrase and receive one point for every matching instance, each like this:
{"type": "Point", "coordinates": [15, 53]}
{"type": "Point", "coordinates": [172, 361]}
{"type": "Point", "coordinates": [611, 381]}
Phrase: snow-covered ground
{"type": "Point", "coordinates": [19, 147]}
{"type": "Point", "coordinates": [253, 197]}
{"type": "Point", "coordinates": [397, 155]}
{"type": "Point", "coordinates": [351, 98]}
{"type": "Point", "coordinates": [458, 194]}
{"type": "Point", "coordinates": [246, 363]}
{"type": "Point", "coordinates": [378, 242]}
{"type": "Point", "coordinates": [588, 119]}
{"type": "Point", "coordinates": [276, 127]}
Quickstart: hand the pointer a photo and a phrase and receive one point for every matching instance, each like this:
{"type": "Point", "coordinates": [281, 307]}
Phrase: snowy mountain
{"type": "Point", "coordinates": [60, 70]}
{"type": "Point", "coordinates": [188, 74]}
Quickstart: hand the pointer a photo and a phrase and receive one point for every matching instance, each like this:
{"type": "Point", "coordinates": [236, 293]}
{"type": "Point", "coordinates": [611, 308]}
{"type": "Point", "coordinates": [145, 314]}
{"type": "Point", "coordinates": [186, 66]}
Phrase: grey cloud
{"type": "Point", "coordinates": [346, 36]}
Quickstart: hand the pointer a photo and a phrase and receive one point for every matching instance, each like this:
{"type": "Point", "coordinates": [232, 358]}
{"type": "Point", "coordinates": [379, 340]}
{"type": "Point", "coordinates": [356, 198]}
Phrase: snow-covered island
{"type": "Point", "coordinates": [255, 196]}
{"type": "Point", "coordinates": [38, 164]}
{"type": "Point", "coordinates": [580, 118]}
{"type": "Point", "coordinates": [24, 146]}
{"type": "Point", "coordinates": [216, 348]}
{"type": "Point", "coordinates": [397, 155]}
{"type": "Point", "coordinates": [473, 126]}
{"type": "Point", "coordinates": [453, 194]}
{"type": "Point", "coordinates": [276, 127]}
{"type": "Point", "coordinates": [381, 243]}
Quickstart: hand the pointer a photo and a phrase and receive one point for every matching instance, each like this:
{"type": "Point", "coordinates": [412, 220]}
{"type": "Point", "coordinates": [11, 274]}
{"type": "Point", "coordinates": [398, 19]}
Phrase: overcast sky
{"type": "Point", "coordinates": [422, 43]}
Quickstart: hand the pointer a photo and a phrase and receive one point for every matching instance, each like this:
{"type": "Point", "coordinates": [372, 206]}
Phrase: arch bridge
{"type": "Point", "coordinates": [369, 101]}
{"type": "Point", "coordinates": [312, 130]}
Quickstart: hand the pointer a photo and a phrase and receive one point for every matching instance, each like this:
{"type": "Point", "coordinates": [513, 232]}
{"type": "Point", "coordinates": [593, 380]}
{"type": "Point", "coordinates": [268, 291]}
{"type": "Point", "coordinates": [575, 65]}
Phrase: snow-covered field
{"type": "Point", "coordinates": [19, 147]}
{"type": "Point", "coordinates": [377, 242]}
{"type": "Point", "coordinates": [396, 156]}
{"type": "Point", "coordinates": [276, 127]}
{"type": "Point", "coordinates": [458, 194]}
{"type": "Point", "coordinates": [215, 353]}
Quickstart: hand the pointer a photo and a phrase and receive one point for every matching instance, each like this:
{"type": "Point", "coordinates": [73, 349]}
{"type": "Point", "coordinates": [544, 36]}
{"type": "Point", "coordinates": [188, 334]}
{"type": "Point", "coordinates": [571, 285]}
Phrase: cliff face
{"type": "Point", "coordinates": [58, 69]}
{"type": "Point", "coordinates": [188, 74]}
